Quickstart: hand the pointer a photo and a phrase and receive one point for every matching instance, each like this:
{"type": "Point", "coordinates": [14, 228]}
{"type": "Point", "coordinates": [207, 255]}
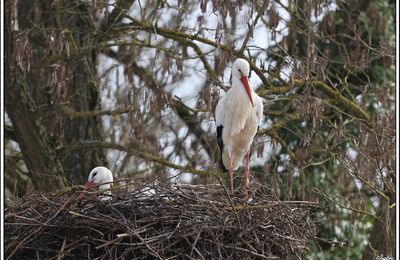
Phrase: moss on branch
{"type": "Point", "coordinates": [188, 39]}
{"type": "Point", "coordinates": [351, 106]}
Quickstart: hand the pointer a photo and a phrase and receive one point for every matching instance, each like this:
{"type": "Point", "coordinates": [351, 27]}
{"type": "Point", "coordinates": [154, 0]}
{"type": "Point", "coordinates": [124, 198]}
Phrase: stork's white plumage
{"type": "Point", "coordinates": [100, 177]}
{"type": "Point", "coordinates": [237, 117]}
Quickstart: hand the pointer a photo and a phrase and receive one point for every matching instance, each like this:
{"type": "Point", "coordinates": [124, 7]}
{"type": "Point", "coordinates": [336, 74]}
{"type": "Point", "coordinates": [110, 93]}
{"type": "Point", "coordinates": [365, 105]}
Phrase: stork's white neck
{"type": "Point", "coordinates": [239, 89]}
{"type": "Point", "coordinates": [236, 83]}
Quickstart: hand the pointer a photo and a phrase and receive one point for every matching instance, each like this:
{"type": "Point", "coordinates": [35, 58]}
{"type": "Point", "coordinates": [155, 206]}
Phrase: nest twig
{"type": "Point", "coordinates": [153, 221]}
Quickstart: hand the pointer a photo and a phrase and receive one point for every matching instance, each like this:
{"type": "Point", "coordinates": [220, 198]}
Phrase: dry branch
{"type": "Point", "coordinates": [157, 222]}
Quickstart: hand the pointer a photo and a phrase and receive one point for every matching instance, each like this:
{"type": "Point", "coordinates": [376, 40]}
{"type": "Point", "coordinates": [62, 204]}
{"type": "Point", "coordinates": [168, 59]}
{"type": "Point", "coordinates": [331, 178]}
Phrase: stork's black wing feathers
{"type": "Point", "coordinates": [221, 147]}
{"type": "Point", "coordinates": [219, 137]}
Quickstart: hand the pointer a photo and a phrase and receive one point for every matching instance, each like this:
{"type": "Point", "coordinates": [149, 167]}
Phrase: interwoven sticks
{"type": "Point", "coordinates": [153, 221]}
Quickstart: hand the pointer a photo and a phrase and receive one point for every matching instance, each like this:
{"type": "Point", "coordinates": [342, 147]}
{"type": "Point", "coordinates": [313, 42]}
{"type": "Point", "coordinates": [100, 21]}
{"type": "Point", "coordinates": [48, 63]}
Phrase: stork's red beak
{"type": "Point", "coordinates": [246, 84]}
{"type": "Point", "coordinates": [88, 186]}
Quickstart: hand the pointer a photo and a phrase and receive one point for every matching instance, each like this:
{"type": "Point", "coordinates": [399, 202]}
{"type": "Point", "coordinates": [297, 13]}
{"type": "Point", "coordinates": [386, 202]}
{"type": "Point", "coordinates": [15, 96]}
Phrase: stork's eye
{"type": "Point", "coordinates": [94, 174]}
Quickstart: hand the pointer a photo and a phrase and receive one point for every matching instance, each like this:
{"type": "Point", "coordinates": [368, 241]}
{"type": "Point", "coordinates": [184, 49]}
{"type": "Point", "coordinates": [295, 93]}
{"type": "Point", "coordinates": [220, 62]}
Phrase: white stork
{"type": "Point", "coordinates": [237, 117]}
{"type": "Point", "coordinates": [102, 178]}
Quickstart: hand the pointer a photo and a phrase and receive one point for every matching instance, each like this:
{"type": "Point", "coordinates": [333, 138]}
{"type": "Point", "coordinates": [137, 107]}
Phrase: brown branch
{"type": "Point", "coordinates": [356, 210]}
{"type": "Point", "coordinates": [353, 108]}
{"type": "Point", "coordinates": [269, 90]}
{"type": "Point", "coordinates": [181, 36]}
{"type": "Point", "coordinates": [273, 132]}
{"type": "Point", "coordinates": [345, 102]}
{"type": "Point", "coordinates": [134, 151]}
{"type": "Point", "coordinates": [189, 38]}
{"type": "Point", "coordinates": [274, 135]}
{"type": "Point", "coordinates": [182, 110]}
{"type": "Point", "coordinates": [84, 114]}
{"type": "Point", "coordinates": [260, 13]}
{"type": "Point", "coordinates": [119, 12]}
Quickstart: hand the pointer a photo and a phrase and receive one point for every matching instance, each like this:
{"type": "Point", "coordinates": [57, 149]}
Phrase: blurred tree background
{"type": "Point", "coordinates": [131, 85]}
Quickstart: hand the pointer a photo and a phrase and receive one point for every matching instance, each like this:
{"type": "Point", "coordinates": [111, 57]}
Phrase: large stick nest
{"type": "Point", "coordinates": [157, 222]}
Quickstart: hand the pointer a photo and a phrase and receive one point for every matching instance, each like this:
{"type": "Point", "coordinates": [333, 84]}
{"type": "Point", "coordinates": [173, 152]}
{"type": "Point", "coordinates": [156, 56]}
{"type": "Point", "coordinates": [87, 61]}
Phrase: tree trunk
{"type": "Point", "coordinates": [43, 167]}
{"type": "Point", "coordinates": [52, 63]}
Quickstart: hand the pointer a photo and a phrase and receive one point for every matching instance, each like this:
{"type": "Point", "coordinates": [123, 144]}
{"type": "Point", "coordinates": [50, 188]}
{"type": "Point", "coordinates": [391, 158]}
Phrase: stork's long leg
{"type": "Point", "coordinates": [247, 173]}
{"type": "Point", "coordinates": [230, 169]}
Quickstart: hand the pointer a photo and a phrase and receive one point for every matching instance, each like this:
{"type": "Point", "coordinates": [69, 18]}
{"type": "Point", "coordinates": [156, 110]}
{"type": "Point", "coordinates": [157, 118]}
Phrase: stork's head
{"type": "Point", "coordinates": [101, 177]}
{"type": "Point", "coordinates": [241, 70]}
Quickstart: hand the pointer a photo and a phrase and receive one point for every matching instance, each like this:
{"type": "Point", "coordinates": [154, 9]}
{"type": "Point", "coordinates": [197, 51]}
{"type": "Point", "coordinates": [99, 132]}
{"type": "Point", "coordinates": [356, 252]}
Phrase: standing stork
{"type": "Point", "coordinates": [237, 117]}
